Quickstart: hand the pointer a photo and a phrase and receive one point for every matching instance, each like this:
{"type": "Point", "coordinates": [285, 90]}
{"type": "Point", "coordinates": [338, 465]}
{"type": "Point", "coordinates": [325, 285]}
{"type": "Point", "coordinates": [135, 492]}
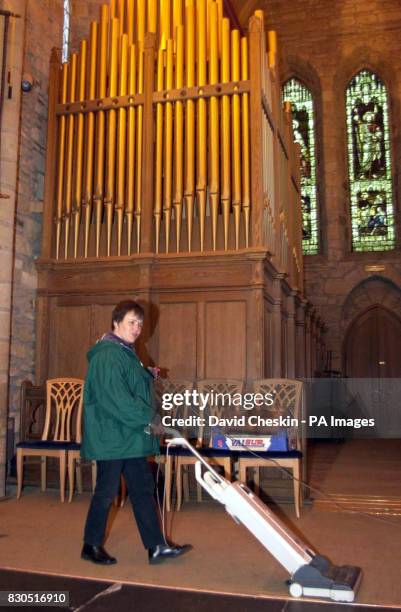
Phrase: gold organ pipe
{"type": "Point", "coordinates": [112, 9]}
{"type": "Point", "coordinates": [101, 123]}
{"type": "Point", "coordinates": [152, 16]}
{"type": "Point", "coordinates": [236, 133]}
{"type": "Point", "coordinates": [70, 153]}
{"type": "Point", "coordinates": [130, 22]}
{"type": "Point", "coordinates": [177, 18]}
{"type": "Point", "coordinates": [225, 131]}
{"type": "Point", "coordinates": [159, 149]}
{"type": "Point", "coordinates": [201, 135]}
{"type": "Point", "coordinates": [121, 16]}
{"type": "Point", "coordinates": [179, 136]}
{"type": "Point", "coordinates": [214, 123]}
{"type": "Point", "coordinates": [90, 129]}
{"type": "Point", "coordinates": [190, 118]}
{"type": "Point", "coordinates": [272, 40]}
{"type": "Point", "coordinates": [141, 20]}
{"type": "Point", "coordinates": [139, 152]}
{"type": "Point", "coordinates": [168, 143]}
{"type": "Point", "coordinates": [122, 141]}
{"type": "Point", "coordinates": [130, 186]}
{"type": "Point", "coordinates": [80, 146]}
{"type": "Point", "coordinates": [165, 22]}
{"type": "Point", "coordinates": [246, 181]}
{"type": "Point", "coordinates": [61, 157]}
{"type": "Point", "coordinates": [220, 15]}
{"type": "Point", "coordinates": [111, 132]}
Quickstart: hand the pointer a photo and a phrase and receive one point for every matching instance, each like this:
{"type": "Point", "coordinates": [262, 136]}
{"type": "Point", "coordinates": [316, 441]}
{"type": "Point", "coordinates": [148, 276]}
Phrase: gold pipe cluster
{"type": "Point", "coordinates": [99, 155]}
{"type": "Point", "coordinates": [201, 174]}
{"type": "Point", "coordinates": [201, 150]}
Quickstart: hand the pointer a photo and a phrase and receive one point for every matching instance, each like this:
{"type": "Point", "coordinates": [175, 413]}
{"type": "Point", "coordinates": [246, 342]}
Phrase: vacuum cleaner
{"type": "Point", "coordinates": [311, 575]}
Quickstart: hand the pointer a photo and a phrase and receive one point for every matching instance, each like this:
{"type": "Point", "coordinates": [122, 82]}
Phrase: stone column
{"type": "Point", "coordinates": [300, 356]}
{"type": "Point", "coordinates": [291, 309]}
{"type": "Point", "coordinates": [313, 341]}
{"type": "Point", "coordinates": [277, 370]}
{"type": "Point", "coordinates": [308, 341]}
{"type": "Point", "coordinates": [10, 128]}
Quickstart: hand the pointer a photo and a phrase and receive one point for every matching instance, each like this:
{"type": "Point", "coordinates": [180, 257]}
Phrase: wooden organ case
{"type": "Point", "coordinates": [172, 178]}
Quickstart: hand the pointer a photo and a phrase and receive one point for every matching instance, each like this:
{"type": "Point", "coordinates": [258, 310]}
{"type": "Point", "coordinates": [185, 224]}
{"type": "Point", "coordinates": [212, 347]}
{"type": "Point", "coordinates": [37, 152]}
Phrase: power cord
{"type": "Point", "coordinates": [323, 494]}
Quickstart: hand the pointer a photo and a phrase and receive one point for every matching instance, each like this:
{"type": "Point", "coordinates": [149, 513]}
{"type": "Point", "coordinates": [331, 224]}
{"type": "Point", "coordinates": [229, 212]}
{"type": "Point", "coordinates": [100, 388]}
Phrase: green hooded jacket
{"type": "Point", "coordinates": [118, 405]}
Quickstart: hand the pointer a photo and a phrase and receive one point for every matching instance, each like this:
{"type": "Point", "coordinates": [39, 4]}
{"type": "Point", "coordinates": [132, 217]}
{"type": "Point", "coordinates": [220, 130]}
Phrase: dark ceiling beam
{"type": "Point", "coordinates": [229, 12]}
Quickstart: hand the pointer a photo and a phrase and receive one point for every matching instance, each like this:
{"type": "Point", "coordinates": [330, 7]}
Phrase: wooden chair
{"type": "Point", "coordinates": [287, 395]}
{"type": "Point", "coordinates": [173, 386]}
{"type": "Point", "coordinates": [74, 461]}
{"type": "Point", "coordinates": [218, 457]}
{"type": "Point", "coordinates": [61, 429]}
{"type": "Point", "coordinates": [162, 386]}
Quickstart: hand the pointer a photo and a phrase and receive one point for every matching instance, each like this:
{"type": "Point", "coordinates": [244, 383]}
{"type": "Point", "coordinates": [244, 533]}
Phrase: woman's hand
{"type": "Point", "coordinates": [154, 370]}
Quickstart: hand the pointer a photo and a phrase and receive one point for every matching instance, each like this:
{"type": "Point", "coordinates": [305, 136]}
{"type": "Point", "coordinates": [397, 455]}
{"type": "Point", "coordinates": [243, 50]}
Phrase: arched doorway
{"type": "Point", "coordinates": [372, 345]}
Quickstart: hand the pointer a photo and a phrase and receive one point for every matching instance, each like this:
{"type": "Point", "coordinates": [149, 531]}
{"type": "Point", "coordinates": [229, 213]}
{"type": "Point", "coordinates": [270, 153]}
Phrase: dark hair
{"type": "Point", "coordinates": [122, 308]}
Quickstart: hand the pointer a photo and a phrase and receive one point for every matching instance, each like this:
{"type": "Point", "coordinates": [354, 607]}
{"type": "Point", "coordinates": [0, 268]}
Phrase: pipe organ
{"type": "Point", "coordinates": [197, 191]}
{"type": "Point", "coordinates": [169, 152]}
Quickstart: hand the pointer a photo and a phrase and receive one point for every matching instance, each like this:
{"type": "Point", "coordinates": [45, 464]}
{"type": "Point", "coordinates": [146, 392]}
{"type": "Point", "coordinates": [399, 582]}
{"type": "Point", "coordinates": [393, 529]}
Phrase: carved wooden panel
{"type": "Point", "coordinates": [178, 339]}
{"type": "Point", "coordinates": [70, 340]}
{"type": "Point", "coordinates": [225, 331]}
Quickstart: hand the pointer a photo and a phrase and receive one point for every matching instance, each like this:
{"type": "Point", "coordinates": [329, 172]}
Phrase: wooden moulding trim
{"type": "Point", "coordinates": [171, 95]}
{"type": "Point", "coordinates": [100, 104]}
{"type": "Point", "coordinates": [268, 112]}
{"type": "Point", "coordinates": [294, 182]}
{"type": "Point", "coordinates": [150, 258]}
{"type": "Point", "coordinates": [203, 91]}
{"type": "Point", "coordinates": [282, 143]}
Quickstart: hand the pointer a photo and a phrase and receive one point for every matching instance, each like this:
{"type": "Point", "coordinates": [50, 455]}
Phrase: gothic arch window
{"type": "Point", "coordinates": [303, 120]}
{"type": "Point", "coordinates": [66, 30]}
{"type": "Point", "coordinates": [369, 163]}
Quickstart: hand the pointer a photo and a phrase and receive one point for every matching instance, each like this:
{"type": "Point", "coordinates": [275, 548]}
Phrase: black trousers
{"type": "Point", "coordinates": [140, 485]}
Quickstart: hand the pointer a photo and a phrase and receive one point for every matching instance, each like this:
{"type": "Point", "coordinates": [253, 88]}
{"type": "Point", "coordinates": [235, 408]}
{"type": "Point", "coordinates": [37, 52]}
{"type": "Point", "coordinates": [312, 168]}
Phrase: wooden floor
{"type": "Point", "coordinates": [39, 534]}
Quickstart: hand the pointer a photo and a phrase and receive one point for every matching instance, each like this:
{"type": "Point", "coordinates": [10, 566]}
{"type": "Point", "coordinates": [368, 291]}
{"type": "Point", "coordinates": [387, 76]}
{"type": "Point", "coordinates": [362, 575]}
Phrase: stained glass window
{"type": "Point", "coordinates": [66, 30]}
{"type": "Point", "coordinates": [304, 134]}
{"type": "Point", "coordinates": [369, 163]}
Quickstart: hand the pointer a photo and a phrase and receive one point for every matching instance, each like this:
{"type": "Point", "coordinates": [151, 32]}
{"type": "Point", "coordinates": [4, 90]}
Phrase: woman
{"type": "Point", "coordinates": [117, 409]}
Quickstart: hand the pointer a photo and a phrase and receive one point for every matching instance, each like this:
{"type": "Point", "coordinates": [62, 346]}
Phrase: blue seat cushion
{"type": "Point", "coordinates": [180, 451]}
{"type": "Point", "coordinates": [294, 454]}
{"type": "Point", "coordinates": [49, 445]}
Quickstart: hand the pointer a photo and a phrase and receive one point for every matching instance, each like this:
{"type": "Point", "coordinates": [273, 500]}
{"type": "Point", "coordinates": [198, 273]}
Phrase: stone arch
{"type": "Point", "coordinates": [374, 291]}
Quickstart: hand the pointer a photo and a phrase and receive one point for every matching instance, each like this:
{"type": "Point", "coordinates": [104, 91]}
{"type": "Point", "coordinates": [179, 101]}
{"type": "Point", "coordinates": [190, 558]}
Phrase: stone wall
{"type": "Point", "coordinates": [324, 44]}
{"type": "Point", "coordinates": [43, 27]}
{"type": "Point", "coordinates": [8, 173]}
{"type": "Point", "coordinates": [82, 13]}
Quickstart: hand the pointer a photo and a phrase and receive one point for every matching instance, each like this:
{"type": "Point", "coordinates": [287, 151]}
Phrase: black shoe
{"type": "Point", "coordinates": [97, 554]}
{"type": "Point", "coordinates": [164, 551]}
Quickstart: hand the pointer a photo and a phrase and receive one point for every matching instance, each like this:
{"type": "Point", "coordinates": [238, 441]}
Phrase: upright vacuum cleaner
{"type": "Point", "coordinates": [311, 575]}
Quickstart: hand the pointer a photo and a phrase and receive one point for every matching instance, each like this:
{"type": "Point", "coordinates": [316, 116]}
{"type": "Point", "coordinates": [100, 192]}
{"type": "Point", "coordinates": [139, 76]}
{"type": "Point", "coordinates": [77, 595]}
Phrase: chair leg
{"type": "Point", "coordinates": [185, 482]}
{"type": "Point", "coordinates": [94, 475]}
{"type": "Point", "coordinates": [198, 492]}
{"type": "Point", "coordinates": [178, 481]}
{"type": "Point", "coordinates": [297, 488]}
{"type": "Point", "coordinates": [71, 461]}
{"type": "Point", "coordinates": [62, 475]}
{"type": "Point", "coordinates": [43, 467]}
{"type": "Point", "coordinates": [227, 468]}
{"type": "Point", "coordinates": [168, 470]}
{"type": "Point", "coordinates": [242, 471]}
{"type": "Point", "coordinates": [20, 471]}
{"type": "Point", "coordinates": [79, 474]}
{"type": "Point", "coordinates": [256, 480]}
